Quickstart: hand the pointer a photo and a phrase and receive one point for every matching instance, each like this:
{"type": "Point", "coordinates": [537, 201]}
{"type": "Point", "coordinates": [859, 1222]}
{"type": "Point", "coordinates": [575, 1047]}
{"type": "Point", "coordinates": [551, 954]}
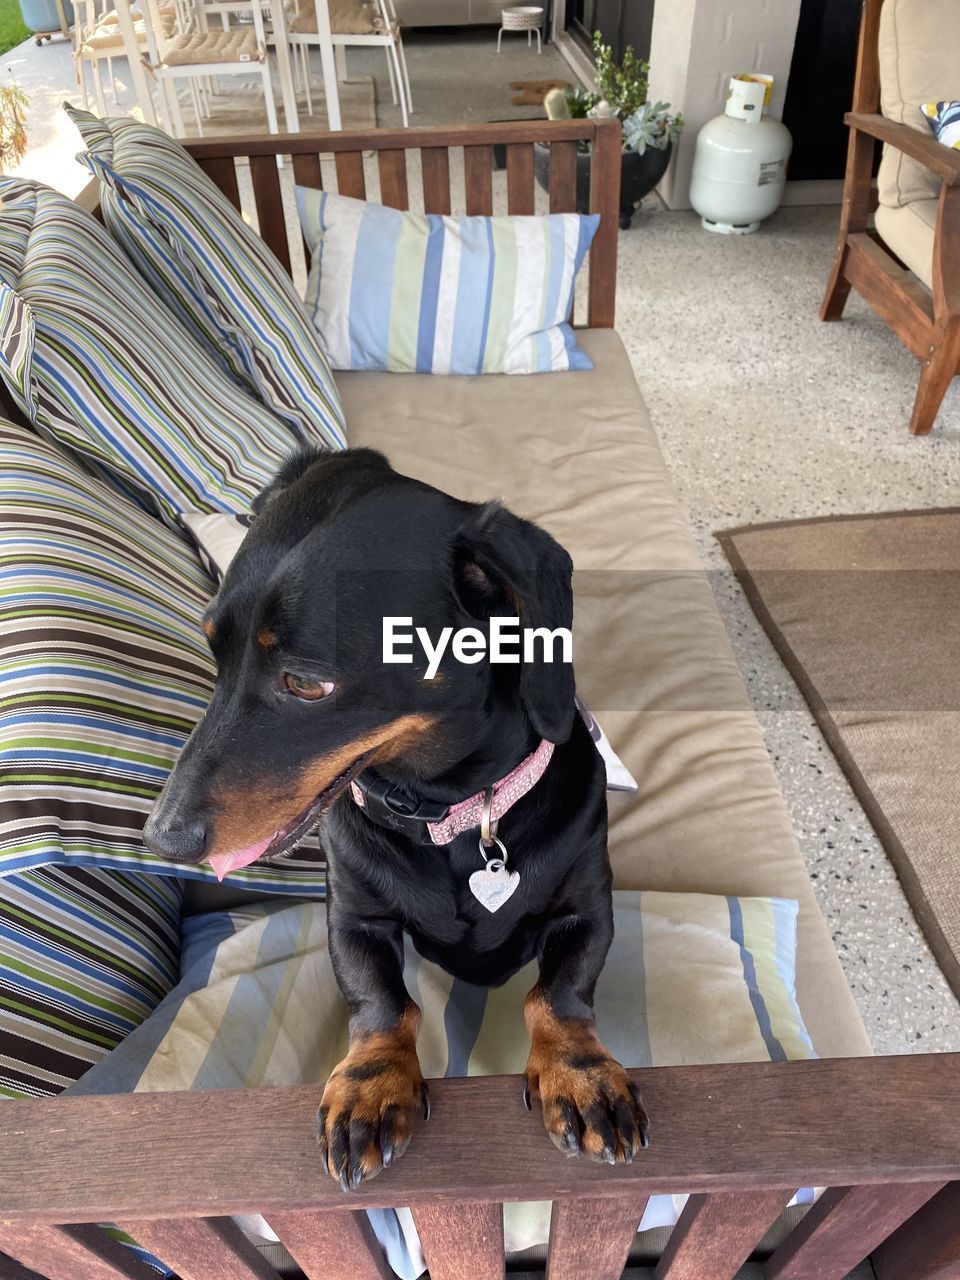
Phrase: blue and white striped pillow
{"type": "Point", "coordinates": [212, 271]}
{"type": "Point", "coordinates": [96, 361]}
{"type": "Point", "coordinates": [944, 119]}
{"type": "Point", "coordinates": [422, 293]}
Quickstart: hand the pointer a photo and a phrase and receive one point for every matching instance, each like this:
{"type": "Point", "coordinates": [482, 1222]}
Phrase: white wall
{"type": "Point", "coordinates": [697, 45]}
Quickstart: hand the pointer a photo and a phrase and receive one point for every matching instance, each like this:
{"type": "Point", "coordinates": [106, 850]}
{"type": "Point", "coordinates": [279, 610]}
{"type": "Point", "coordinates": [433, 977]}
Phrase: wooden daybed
{"type": "Point", "coordinates": [882, 1134]}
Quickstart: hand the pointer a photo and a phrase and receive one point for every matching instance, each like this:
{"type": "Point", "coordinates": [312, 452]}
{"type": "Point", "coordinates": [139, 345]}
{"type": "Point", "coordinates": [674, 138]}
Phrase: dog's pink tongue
{"type": "Point", "coordinates": [224, 863]}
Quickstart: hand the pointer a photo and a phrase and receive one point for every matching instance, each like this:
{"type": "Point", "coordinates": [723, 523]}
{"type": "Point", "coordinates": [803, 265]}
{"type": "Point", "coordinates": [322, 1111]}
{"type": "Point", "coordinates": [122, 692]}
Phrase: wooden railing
{"type": "Point", "coordinates": [218, 157]}
{"type": "Point", "coordinates": [882, 1133]}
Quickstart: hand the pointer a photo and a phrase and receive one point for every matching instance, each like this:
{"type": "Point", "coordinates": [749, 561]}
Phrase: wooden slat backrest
{"type": "Point", "coordinates": [593, 1237]}
{"type": "Point", "coordinates": [723, 1127]}
{"type": "Point", "coordinates": [332, 1246]}
{"type": "Point", "coordinates": [563, 177]}
{"type": "Point", "coordinates": [462, 1242]}
{"type": "Point", "coordinates": [520, 189]}
{"type": "Point", "coordinates": [393, 179]}
{"type": "Point", "coordinates": [218, 155]}
{"type": "Point", "coordinates": [844, 1226]}
{"type": "Point", "coordinates": [83, 1252]}
{"type": "Point", "coordinates": [350, 177]}
{"type": "Point", "coordinates": [222, 172]}
{"type": "Point", "coordinates": [269, 202]}
{"type": "Point", "coordinates": [739, 1137]}
{"type": "Point", "coordinates": [717, 1233]}
{"type": "Point", "coordinates": [202, 1248]}
{"type": "Point", "coordinates": [478, 179]}
{"type": "Point", "coordinates": [435, 165]}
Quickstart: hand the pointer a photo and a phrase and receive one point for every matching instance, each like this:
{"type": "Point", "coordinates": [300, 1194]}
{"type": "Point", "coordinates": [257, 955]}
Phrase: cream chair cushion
{"type": "Point", "coordinates": [204, 47]}
{"type": "Point", "coordinates": [908, 231]}
{"type": "Point", "coordinates": [919, 50]}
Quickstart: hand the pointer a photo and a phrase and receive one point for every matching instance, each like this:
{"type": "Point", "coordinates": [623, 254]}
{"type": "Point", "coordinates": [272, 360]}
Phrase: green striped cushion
{"type": "Point", "coordinates": [85, 955]}
{"type": "Point", "coordinates": [103, 670]}
{"type": "Point", "coordinates": [211, 270]}
{"type": "Point", "coordinates": [94, 360]}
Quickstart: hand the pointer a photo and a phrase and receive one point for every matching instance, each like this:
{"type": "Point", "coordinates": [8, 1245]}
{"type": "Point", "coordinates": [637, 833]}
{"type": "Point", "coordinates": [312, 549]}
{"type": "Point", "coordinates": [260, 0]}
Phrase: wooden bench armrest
{"type": "Point", "coordinates": [924, 147]}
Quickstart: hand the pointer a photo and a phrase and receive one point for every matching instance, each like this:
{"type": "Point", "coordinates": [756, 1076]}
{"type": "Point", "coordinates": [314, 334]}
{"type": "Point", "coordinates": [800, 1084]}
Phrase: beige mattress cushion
{"type": "Point", "coordinates": [919, 49]}
{"type": "Point", "coordinates": [909, 231]}
{"type": "Point", "coordinates": [577, 453]}
{"type": "Point", "coordinates": [208, 47]}
{"type": "Point", "coordinates": [347, 17]}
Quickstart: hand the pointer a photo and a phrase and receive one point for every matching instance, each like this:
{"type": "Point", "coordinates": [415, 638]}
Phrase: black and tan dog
{"type": "Point", "coordinates": [304, 705]}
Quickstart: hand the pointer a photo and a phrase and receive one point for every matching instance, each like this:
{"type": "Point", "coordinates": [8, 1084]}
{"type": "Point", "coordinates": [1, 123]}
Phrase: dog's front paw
{"type": "Point", "coordinates": [590, 1104]}
{"type": "Point", "coordinates": [367, 1111]}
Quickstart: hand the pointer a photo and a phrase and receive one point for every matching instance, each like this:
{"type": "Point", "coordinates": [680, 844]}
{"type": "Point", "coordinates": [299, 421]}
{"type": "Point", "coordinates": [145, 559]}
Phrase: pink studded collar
{"type": "Point", "coordinates": [434, 823]}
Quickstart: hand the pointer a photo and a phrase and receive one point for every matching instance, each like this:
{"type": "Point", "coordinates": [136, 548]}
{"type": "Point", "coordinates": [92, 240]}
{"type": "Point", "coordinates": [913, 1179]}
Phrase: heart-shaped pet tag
{"type": "Point", "coordinates": [494, 884]}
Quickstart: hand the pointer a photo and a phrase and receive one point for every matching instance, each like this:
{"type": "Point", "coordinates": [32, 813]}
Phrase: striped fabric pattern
{"type": "Point", "coordinates": [104, 671]}
{"type": "Point", "coordinates": [421, 293]}
{"type": "Point", "coordinates": [96, 362]}
{"type": "Point", "coordinates": [85, 956]}
{"type": "Point", "coordinates": [944, 121]}
{"type": "Point", "coordinates": [212, 271]}
{"type": "Point", "coordinates": [689, 978]}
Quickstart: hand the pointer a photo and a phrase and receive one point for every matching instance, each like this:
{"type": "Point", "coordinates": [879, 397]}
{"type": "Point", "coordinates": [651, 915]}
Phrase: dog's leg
{"type": "Point", "coordinates": [590, 1105]}
{"type": "Point", "coordinates": [373, 1096]}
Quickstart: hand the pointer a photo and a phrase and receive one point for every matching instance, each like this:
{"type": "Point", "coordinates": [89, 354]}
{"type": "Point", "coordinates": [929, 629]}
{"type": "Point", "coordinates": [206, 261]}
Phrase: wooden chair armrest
{"type": "Point", "coordinates": [941, 160]}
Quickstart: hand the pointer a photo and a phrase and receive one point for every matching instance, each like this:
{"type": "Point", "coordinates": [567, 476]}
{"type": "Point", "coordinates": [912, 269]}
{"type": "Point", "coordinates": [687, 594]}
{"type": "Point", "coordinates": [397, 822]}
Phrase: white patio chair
{"type": "Point", "coordinates": [98, 39]}
{"type": "Point", "coordinates": [356, 25]}
{"type": "Point", "coordinates": [202, 57]}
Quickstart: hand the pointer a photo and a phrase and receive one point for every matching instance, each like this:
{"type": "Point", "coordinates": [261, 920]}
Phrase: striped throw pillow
{"type": "Point", "coordinates": [690, 978]}
{"type": "Point", "coordinates": [104, 671]}
{"type": "Point", "coordinates": [94, 360]}
{"type": "Point", "coordinates": [86, 954]}
{"type": "Point", "coordinates": [944, 120]}
{"type": "Point", "coordinates": [415, 293]}
{"type": "Point", "coordinates": [212, 271]}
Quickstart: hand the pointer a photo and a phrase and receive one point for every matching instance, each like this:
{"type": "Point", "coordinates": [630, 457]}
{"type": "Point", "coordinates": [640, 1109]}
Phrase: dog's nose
{"type": "Point", "coordinates": [178, 841]}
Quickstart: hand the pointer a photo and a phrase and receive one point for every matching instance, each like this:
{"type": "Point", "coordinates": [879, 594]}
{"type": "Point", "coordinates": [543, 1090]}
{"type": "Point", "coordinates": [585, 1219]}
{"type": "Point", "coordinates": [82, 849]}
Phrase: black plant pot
{"type": "Point", "coordinates": [638, 176]}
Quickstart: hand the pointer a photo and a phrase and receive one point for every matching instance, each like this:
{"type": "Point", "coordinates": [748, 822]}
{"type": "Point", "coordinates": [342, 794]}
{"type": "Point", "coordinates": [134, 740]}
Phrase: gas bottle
{"type": "Point", "coordinates": [740, 164]}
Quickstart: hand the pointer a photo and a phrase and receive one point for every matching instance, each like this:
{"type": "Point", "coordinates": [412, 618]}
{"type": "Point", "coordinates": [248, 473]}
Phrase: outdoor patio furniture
{"type": "Point", "coordinates": [909, 270]}
{"type": "Point", "coordinates": [882, 1134]}
{"type": "Point", "coordinates": [353, 24]}
{"type": "Point", "coordinates": [194, 54]}
{"type": "Point", "coordinates": [99, 38]}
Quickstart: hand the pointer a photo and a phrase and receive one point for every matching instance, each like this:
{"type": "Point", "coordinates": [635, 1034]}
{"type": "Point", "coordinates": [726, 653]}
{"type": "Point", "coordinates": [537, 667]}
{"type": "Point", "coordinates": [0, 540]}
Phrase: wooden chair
{"type": "Point", "coordinates": [924, 316]}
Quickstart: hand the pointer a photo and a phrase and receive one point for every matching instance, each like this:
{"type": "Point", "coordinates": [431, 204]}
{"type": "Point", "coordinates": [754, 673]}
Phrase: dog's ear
{"type": "Point", "coordinates": [504, 563]}
{"type": "Point", "coordinates": [319, 462]}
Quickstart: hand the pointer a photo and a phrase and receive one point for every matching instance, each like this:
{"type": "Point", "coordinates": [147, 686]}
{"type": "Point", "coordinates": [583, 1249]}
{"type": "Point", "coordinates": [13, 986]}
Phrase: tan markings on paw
{"type": "Point", "coordinates": [371, 1101]}
{"type": "Point", "coordinates": [590, 1105]}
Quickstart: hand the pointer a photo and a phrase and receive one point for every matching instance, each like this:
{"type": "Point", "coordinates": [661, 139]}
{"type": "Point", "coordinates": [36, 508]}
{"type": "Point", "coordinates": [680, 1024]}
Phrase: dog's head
{"type": "Point", "coordinates": [303, 699]}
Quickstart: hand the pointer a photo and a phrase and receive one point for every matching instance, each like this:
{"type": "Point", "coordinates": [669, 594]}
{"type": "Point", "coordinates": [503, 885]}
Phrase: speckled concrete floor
{"type": "Point", "coordinates": [765, 413]}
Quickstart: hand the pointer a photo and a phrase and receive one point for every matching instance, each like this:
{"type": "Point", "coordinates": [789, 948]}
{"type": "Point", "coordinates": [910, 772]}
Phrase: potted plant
{"type": "Point", "coordinates": [649, 130]}
{"type": "Point", "coordinates": [13, 136]}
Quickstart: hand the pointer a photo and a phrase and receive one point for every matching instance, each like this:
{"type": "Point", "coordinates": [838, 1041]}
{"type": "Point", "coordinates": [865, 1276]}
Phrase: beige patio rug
{"type": "Point", "coordinates": [865, 612]}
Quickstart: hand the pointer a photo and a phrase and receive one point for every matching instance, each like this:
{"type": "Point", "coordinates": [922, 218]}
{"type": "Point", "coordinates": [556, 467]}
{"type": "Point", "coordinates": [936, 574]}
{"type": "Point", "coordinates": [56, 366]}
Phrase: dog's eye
{"type": "Point", "coordinates": [305, 687]}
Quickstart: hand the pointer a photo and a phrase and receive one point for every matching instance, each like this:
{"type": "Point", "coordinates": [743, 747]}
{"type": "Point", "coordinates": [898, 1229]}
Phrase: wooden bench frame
{"type": "Point", "coordinates": [928, 323]}
{"type": "Point", "coordinates": [883, 1134]}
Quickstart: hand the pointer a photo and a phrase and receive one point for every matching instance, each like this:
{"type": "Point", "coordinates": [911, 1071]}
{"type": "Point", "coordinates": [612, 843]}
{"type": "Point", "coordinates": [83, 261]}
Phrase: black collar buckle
{"type": "Point", "coordinates": [388, 806]}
